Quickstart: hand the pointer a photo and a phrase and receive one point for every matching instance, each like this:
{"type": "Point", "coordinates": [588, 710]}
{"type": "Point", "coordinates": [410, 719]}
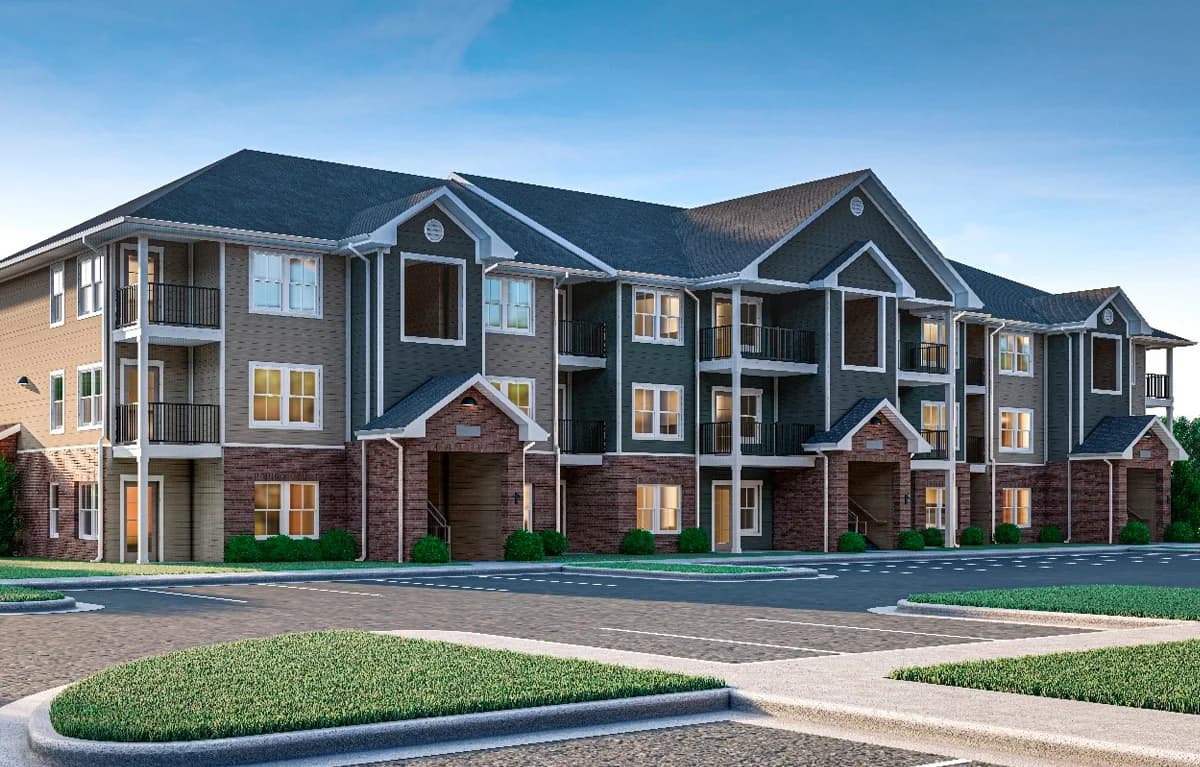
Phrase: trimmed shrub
{"type": "Point", "coordinates": [524, 546]}
{"type": "Point", "coordinates": [934, 536]}
{"type": "Point", "coordinates": [306, 550]}
{"type": "Point", "coordinates": [972, 536]}
{"type": "Point", "coordinates": [1179, 532]}
{"type": "Point", "coordinates": [554, 543]}
{"type": "Point", "coordinates": [1051, 534]}
{"type": "Point", "coordinates": [637, 541]}
{"type": "Point", "coordinates": [1008, 533]}
{"type": "Point", "coordinates": [911, 540]}
{"type": "Point", "coordinates": [277, 548]}
{"type": "Point", "coordinates": [242, 548]}
{"type": "Point", "coordinates": [1135, 533]}
{"type": "Point", "coordinates": [338, 546]}
{"type": "Point", "coordinates": [431, 550]}
{"type": "Point", "coordinates": [11, 520]}
{"type": "Point", "coordinates": [694, 540]}
{"type": "Point", "coordinates": [851, 542]}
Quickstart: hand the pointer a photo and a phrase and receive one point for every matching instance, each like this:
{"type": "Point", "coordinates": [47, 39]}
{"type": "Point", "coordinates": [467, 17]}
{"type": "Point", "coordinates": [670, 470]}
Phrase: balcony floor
{"type": "Point", "coordinates": [170, 335]}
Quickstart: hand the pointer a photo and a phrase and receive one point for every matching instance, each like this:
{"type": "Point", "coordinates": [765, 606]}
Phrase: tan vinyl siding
{"type": "Point", "coordinates": [208, 509]}
{"type": "Point", "coordinates": [177, 508]}
{"type": "Point", "coordinates": [524, 356]}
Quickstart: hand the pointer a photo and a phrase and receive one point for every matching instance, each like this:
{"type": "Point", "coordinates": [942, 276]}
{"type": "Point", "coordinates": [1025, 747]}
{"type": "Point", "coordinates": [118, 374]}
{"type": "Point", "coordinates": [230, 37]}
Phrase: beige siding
{"type": "Point", "coordinates": [1021, 392]}
{"type": "Point", "coordinates": [208, 504]}
{"type": "Point", "coordinates": [522, 356]}
{"type": "Point", "coordinates": [177, 509]}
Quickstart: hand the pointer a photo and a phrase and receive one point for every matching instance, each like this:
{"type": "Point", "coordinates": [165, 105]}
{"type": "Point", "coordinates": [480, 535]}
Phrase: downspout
{"type": "Point", "coordinates": [103, 441]}
{"type": "Point", "coordinates": [696, 403]}
{"type": "Point", "coordinates": [952, 421]}
{"type": "Point", "coordinates": [399, 498]}
{"type": "Point", "coordinates": [1110, 500]}
{"type": "Point", "coordinates": [991, 415]}
{"type": "Point", "coordinates": [366, 389]}
{"type": "Point", "coordinates": [1070, 428]}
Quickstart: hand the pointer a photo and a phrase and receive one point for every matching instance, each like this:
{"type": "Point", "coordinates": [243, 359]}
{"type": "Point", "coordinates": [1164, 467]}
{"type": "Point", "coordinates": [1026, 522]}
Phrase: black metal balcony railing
{"type": "Point", "coordinates": [590, 437]}
{"type": "Point", "coordinates": [175, 422]}
{"type": "Point", "coordinates": [760, 343]}
{"type": "Point", "coordinates": [185, 305]}
{"type": "Point", "coordinates": [923, 357]}
{"type": "Point", "coordinates": [937, 439]}
{"type": "Point", "coordinates": [1158, 386]}
{"type": "Point", "coordinates": [976, 449]}
{"type": "Point", "coordinates": [976, 371]}
{"type": "Point", "coordinates": [583, 339]}
{"type": "Point", "coordinates": [759, 438]}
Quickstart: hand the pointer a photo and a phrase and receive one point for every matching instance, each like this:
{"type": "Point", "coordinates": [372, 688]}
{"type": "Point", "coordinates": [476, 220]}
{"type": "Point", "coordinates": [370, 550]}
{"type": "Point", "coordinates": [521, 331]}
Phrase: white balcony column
{"type": "Point", "coordinates": [1170, 389]}
{"type": "Point", "coordinates": [952, 430]}
{"type": "Point", "coordinates": [143, 407]}
{"type": "Point", "coordinates": [735, 471]}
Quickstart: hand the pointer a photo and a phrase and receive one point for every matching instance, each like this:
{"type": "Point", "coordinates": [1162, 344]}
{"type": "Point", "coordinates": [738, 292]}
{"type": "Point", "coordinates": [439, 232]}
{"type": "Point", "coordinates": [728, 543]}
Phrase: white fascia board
{"type": "Point", "coordinates": [903, 288]}
{"type": "Point", "coordinates": [1126, 308]}
{"type": "Point", "coordinates": [17, 259]}
{"type": "Point", "coordinates": [916, 443]}
{"type": "Point", "coordinates": [234, 233]}
{"type": "Point", "coordinates": [384, 236]}
{"type": "Point", "coordinates": [11, 430]}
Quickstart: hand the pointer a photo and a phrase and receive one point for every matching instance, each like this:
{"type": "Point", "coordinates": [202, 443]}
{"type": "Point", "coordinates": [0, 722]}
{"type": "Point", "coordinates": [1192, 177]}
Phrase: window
{"type": "Point", "coordinates": [657, 315]}
{"type": "Point", "coordinates": [1106, 364]}
{"type": "Point", "coordinates": [1016, 430]}
{"type": "Point", "coordinates": [1016, 354]}
{"type": "Point", "coordinates": [91, 285]}
{"type": "Point", "coordinates": [750, 506]}
{"type": "Point", "coordinates": [434, 299]}
{"type": "Point", "coordinates": [54, 509]}
{"type": "Point", "coordinates": [56, 402]}
{"type": "Point", "coordinates": [751, 416]}
{"type": "Point", "coordinates": [56, 295]}
{"type": "Point", "coordinates": [658, 508]}
{"type": "Point", "coordinates": [86, 511]}
{"type": "Point", "coordinates": [751, 335]}
{"type": "Point", "coordinates": [657, 412]}
{"type": "Point", "coordinates": [933, 416]}
{"type": "Point", "coordinates": [1016, 506]}
{"type": "Point", "coordinates": [508, 304]}
{"type": "Point", "coordinates": [285, 284]}
{"type": "Point", "coordinates": [283, 396]}
{"type": "Point", "coordinates": [933, 331]}
{"type": "Point", "coordinates": [519, 392]}
{"type": "Point", "coordinates": [91, 397]}
{"type": "Point", "coordinates": [862, 333]}
{"type": "Point", "coordinates": [286, 508]}
{"type": "Point", "coordinates": [935, 507]}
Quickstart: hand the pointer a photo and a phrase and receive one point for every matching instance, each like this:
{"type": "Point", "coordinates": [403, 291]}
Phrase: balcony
{"type": "Point", "coordinates": [171, 423]}
{"type": "Point", "coordinates": [938, 440]}
{"type": "Point", "coordinates": [759, 439]}
{"type": "Point", "coordinates": [176, 312]}
{"type": "Point", "coordinates": [582, 437]}
{"type": "Point", "coordinates": [582, 345]}
{"type": "Point", "coordinates": [924, 358]}
{"type": "Point", "coordinates": [976, 449]}
{"type": "Point", "coordinates": [1158, 387]}
{"type": "Point", "coordinates": [765, 350]}
{"type": "Point", "coordinates": [976, 371]}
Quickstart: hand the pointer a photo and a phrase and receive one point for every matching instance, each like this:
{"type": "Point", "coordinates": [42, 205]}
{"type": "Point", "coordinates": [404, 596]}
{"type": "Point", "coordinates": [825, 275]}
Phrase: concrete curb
{"type": "Point", "coordinates": [1040, 617]}
{"type": "Point", "coordinates": [60, 751]}
{"type": "Point", "coordinates": [961, 552]}
{"type": "Point", "coordinates": [39, 606]}
{"type": "Point", "coordinates": [671, 575]}
{"type": "Point", "coordinates": [1040, 745]}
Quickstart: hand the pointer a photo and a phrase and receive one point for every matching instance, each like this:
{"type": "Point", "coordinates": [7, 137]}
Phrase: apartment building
{"type": "Point", "coordinates": [276, 345]}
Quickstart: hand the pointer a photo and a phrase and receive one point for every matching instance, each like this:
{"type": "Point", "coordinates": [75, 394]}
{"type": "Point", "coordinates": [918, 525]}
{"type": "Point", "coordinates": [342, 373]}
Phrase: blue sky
{"type": "Point", "coordinates": [1054, 142]}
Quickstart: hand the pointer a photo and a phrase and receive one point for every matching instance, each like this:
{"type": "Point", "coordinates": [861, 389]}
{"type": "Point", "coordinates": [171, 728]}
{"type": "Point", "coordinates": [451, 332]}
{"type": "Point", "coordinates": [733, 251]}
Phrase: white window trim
{"type": "Point", "coordinates": [62, 427]}
{"type": "Point", "coordinates": [99, 410]}
{"type": "Point", "coordinates": [284, 393]}
{"type": "Point", "coordinates": [54, 509]}
{"type": "Point", "coordinates": [285, 503]}
{"type": "Point", "coordinates": [656, 511]}
{"type": "Point", "coordinates": [881, 338]}
{"type": "Point", "coordinates": [757, 484]}
{"type": "Point", "coordinates": [152, 251]}
{"type": "Point", "coordinates": [1000, 359]}
{"type": "Point", "coordinates": [1015, 491]}
{"type": "Point", "coordinates": [155, 396]}
{"type": "Point", "coordinates": [285, 289]}
{"type": "Point", "coordinates": [58, 269]}
{"type": "Point", "coordinates": [99, 309]}
{"type": "Point", "coordinates": [728, 297]}
{"type": "Point", "coordinates": [941, 507]}
{"type": "Point", "coordinates": [462, 299]}
{"type": "Point", "coordinates": [941, 326]}
{"type": "Point", "coordinates": [505, 280]}
{"type": "Point", "coordinates": [656, 434]}
{"type": "Point", "coordinates": [940, 405]}
{"type": "Point", "coordinates": [515, 379]}
{"type": "Point", "coordinates": [658, 316]}
{"type": "Point", "coordinates": [756, 393]}
{"type": "Point", "coordinates": [1118, 342]}
{"type": "Point", "coordinates": [93, 511]}
{"type": "Point", "coordinates": [1016, 411]}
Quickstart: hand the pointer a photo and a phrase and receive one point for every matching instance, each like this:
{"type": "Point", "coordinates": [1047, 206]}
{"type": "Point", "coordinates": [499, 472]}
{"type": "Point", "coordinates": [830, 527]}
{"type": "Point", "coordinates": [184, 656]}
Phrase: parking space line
{"type": "Point", "coordinates": [948, 763]}
{"type": "Point", "coordinates": [870, 628]}
{"type": "Point", "coordinates": [722, 641]}
{"type": "Point", "coordinates": [327, 591]}
{"type": "Point", "coordinates": [189, 596]}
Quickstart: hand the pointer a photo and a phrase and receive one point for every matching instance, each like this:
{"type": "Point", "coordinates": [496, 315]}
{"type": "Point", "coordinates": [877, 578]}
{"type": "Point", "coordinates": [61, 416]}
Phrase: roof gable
{"type": "Point", "coordinates": [840, 436]}
{"type": "Point", "coordinates": [1115, 436]}
{"type": "Point", "coordinates": [406, 418]}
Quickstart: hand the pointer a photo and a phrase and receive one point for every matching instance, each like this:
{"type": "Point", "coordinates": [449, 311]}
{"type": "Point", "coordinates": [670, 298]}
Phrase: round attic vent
{"type": "Point", "coordinates": [856, 206]}
{"type": "Point", "coordinates": [1107, 316]}
{"type": "Point", "coordinates": [434, 231]}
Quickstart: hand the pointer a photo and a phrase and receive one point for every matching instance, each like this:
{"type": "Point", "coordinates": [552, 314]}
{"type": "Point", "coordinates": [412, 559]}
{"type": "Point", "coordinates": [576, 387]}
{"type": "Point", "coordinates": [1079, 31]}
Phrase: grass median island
{"type": "Point", "coordinates": [684, 567]}
{"type": "Point", "coordinates": [1135, 601]}
{"type": "Point", "coordinates": [1165, 677]}
{"type": "Point", "coordinates": [328, 679]}
{"type": "Point", "coordinates": [20, 568]}
{"type": "Point", "coordinates": [23, 594]}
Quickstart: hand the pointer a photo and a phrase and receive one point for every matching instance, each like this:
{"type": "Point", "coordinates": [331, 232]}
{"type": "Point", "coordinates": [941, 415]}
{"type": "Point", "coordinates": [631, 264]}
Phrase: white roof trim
{"type": "Point", "coordinates": [1126, 308]}
{"type": "Point", "coordinates": [1175, 451]}
{"type": "Point", "coordinates": [903, 289]}
{"type": "Point", "coordinates": [384, 236]}
{"type": "Point", "coordinates": [11, 430]}
{"type": "Point", "coordinates": [916, 443]}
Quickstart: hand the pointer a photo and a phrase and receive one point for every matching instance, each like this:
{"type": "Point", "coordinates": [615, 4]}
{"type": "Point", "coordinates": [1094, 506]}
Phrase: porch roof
{"type": "Point", "coordinates": [1115, 436]}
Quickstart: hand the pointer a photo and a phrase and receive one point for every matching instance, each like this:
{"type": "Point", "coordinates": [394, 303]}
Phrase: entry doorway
{"type": "Point", "coordinates": [748, 515]}
{"type": "Point", "coordinates": [129, 520]}
{"type": "Point", "coordinates": [1142, 494]}
{"type": "Point", "coordinates": [722, 516]}
{"type": "Point", "coordinates": [465, 492]}
{"type": "Point", "coordinates": [872, 502]}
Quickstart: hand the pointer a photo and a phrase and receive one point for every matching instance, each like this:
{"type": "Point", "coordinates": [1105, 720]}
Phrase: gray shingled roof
{"type": "Point", "coordinates": [1012, 300]}
{"type": "Point", "coordinates": [418, 402]}
{"type": "Point", "coordinates": [1072, 307]}
{"type": "Point", "coordinates": [1114, 434]}
{"type": "Point", "coordinates": [837, 262]}
{"type": "Point", "coordinates": [853, 417]}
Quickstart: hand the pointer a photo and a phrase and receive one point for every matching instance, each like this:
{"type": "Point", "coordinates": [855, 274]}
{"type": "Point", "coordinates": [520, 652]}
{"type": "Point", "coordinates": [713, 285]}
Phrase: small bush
{"type": "Point", "coordinates": [431, 550]}
{"type": "Point", "coordinates": [851, 542]}
{"type": "Point", "coordinates": [1135, 533]}
{"type": "Point", "coordinates": [1051, 534]}
{"type": "Point", "coordinates": [637, 541]}
{"type": "Point", "coordinates": [934, 536]}
{"type": "Point", "coordinates": [1179, 532]}
{"type": "Point", "coordinates": [1008, 533]}
{"type": "Point", "coordinates": [911, 540]}
{"type": "Point", "coordinates": [11, 520]}
{"type": "Point", "coordinates": [694, 540]}
{"type": "Point", "coordinates": [554, 543]}
{"type": "Point", "coordinates": [338, 546]}
{"type": "Point", "coordinates": [242, 548]}
{"type": "Point", "coordinates": [277, 548]}
{"type": "Point", "coordinates": [973, 536]}
{"type": "Point", "coordinates": [524, 546]}
{"type": "Point", "coordinates": [306, 550]}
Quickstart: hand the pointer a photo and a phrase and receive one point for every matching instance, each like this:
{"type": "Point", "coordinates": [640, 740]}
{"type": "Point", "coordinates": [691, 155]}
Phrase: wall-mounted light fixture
{"type": "Point", "coordinates": [876, 420]}
{"type": "Point", "coordinates": [516, 499]}
{"type": "Point", "coordinates": [24, 381]}
{"type": "Point", "coordinates": [469, 402]}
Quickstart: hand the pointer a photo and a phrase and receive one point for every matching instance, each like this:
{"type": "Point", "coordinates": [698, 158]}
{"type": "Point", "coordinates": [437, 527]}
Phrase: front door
{"type": "Point", "coordinates": [130, 277]}
{"type": "Point", "coordinates": [722, 511]}
{"type": "Point", "coordinates": [129, 498]}
{"type": "Point", "coordinates": [129, 394]}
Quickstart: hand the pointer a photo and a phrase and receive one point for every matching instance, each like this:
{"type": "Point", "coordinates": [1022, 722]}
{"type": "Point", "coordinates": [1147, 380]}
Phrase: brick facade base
{"type": "Point", "coordinates": [68, 469]}
{"type": "Point", "coordinates": [602, 500]}
{"type": "Point", "coordinates": [243, 466]}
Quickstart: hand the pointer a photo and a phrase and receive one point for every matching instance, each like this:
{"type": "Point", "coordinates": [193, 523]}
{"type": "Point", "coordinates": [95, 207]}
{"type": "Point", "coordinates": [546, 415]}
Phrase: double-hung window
{"type": "Point", "coordinates": [1016, 430]}
{"type": "Point", "coordinates": [56, 402]}
{"type": "Point", "coordinates": [659, 508]}
{"type": "Point", "coordinates": [935, 507]}
{"type": "Point", "coordinates": [285, 396]}
{"type": "Point", "coordinates": [286, 508]}
{"type": "Point", "coordinates": [91, 397]}
{"type": "Point", "coordinates": [91, 285]}
{"type": "Point", "coordinates": [657, 412]}
{"type": "Point", "coordinates": [86, 511]}
{"type": "Point", "coordinates": [508, 304]}
{"type": "Point", "coordinates": [1016, 354]}
{"type": "Point", "coordinates": [54, 511]}
{"type": "Point", "coordinates": [283, 283]}
{"type": "Point", "coordinates": [57, 291]}
{"type": "Point", "coordinates": [657, 315]}
{"type": "Point", "coordinates": [1016, 506]}
{"type": "Point", "coordinates": [518, 390]}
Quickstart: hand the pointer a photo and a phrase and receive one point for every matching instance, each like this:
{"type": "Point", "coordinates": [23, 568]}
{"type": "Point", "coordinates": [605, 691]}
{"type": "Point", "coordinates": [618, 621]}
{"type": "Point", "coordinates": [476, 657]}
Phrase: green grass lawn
{"type": "Point", "coordinates": [683, 567]}
{"type": "Point", "coordinates": [30, 567]}
{"type": "Point", "coordinates": [1137, 601]}
{"type": "Point", "coordinates": [23, 594]}
{"type": "Point", "coordinates": [327, 679]}
{"type": "Point", "coordinates": [1159, 676]}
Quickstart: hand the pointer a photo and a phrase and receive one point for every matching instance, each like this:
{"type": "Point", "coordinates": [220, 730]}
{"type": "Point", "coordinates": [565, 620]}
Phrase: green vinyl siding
{"type": "Point", "coordinates": [594, 392]}
{"type": "Point", "coordinates": [761, 542]}
{"type": "Point", "coordinates": [658, 363]}
{"type": "Point", "coordinates": [1098, 406]}
{"type": "Point", "coordinates": [849, 386]}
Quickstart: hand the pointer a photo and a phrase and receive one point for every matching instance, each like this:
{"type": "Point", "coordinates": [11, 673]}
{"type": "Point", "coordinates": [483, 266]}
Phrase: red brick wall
{"type": "Point", "coordinates": [1090, 493]}
{"type": "Point", "coordinates": [602, 500]}
{"type": "Point", "coordinates": [67, 468]}
{"type": "Point", "coordinates": [798, 514]}
{"type": "Point", "coordinates": [540, 472]}
{"type": "Point", "coordinates": [244, 466]}
{"type": "Point", "coordinates": [8, 447]}
{"type": "Point", "coordinates": [893, 451]}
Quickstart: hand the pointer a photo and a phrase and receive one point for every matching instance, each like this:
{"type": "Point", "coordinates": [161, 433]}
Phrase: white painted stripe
{"type": "Point", "coordinates": [190, 596]}
{"type": "Point", "coordinates": [948, 763]}
{"type": "Point", "coordinates": [870, 628]}
{"type": "Point", "coordinates": [722, 641]}
{"type": "Point", "coordinates": [327, 591]}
